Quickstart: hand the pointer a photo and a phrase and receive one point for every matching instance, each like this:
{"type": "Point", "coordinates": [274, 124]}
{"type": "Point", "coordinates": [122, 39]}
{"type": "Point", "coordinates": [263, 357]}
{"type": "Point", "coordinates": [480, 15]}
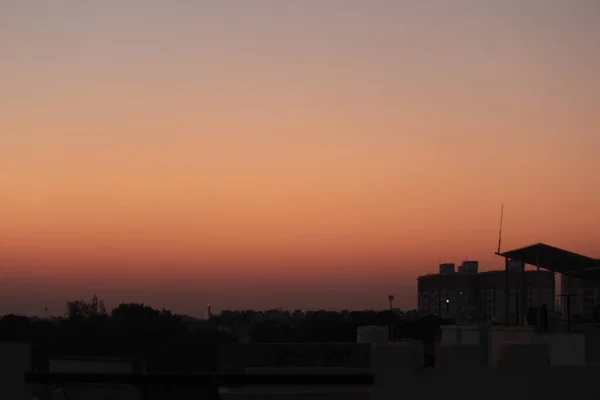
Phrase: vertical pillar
{"type": "Point", "coordinates": [440, 314]}
{"type": "Point", "coordinates": [569, 304]}
{"type": "Point", "coordinates": [517, 311]}
{"type": "Point", "coordinates": [506, 286]}
{"type": "Point", "coordinates": [484, 343]}
{"type": "Point", "coordinates": [485, 301]}
{"type": "Point", "coordinates": [539, 291]}
{"type": "Point", "coordinates": [524, 295]}
{"type": "Point", "coordinates": [15, 360]}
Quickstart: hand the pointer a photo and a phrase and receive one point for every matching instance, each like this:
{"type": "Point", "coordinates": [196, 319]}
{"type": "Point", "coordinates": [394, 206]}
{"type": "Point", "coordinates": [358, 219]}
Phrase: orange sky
{"type": "Point", "coordinates": [306, 155]}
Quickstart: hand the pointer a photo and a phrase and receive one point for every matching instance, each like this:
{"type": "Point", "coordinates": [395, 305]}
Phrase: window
{"type": "Point", "coordinates": [424, 302]}
{"type": "Point", "coordinates": [491, 303]}
{"type": "Point", "coordinates": [588, 301]}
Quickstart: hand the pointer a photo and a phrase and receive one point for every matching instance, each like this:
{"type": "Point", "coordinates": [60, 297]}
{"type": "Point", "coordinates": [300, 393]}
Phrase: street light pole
{"type": "Point", "coordinates": [391, 301]}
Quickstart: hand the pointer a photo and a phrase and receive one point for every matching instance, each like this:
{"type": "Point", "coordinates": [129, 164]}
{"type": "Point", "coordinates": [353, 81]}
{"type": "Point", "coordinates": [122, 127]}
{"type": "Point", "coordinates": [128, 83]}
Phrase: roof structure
{"type": "Point", "coordinates": [557, 260]}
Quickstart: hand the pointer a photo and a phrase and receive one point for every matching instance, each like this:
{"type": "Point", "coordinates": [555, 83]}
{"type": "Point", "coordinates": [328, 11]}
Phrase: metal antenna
{"type": "Point", "coordinates": [500, 231]}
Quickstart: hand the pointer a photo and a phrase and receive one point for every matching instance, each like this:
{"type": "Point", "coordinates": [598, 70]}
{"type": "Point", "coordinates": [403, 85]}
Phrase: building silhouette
{"type": "Point", "coordinates": [452, 293]}
{"type": "Point", "coordinates": [583, 295]}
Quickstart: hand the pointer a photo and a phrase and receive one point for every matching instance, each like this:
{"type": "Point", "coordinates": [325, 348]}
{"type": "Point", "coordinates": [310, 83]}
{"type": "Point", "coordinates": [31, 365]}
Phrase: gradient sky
{"type": "Point", "coordinates": [297, 154]}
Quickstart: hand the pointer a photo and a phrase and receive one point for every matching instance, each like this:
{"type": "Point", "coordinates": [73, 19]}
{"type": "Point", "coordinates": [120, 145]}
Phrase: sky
{"type": "Point", "coordinates": [316, 154]}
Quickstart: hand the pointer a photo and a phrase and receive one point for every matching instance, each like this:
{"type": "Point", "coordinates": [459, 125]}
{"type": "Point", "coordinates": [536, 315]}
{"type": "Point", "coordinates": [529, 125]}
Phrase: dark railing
{"type": "Point", "coordinates": [208, 382]}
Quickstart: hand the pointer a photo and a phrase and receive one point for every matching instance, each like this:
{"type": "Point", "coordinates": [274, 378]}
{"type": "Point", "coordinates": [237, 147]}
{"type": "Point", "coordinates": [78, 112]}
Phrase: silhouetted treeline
{"type": "Point", "coordinates": [162, 340]}
{"type": "Point", "coordinates": [170, 342]}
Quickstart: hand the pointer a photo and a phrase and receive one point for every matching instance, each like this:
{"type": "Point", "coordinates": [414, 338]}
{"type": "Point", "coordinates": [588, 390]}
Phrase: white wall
{"type": "Point", "coordinates": [468, 334]}
{"type": "Point", "coordinates": [397, 370]}
{"type": "Point", "coordinates": [372, 334]}
{"type": "Point", "coordinates": [564, 348]}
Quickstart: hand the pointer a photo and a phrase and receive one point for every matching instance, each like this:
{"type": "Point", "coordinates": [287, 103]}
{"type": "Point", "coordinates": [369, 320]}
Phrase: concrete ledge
{"type": "Point", "coordinates": [308, 370]}
{"type": "Point", "coordinates": [295, 396]}
{"type": "Point", "coordinates": [458, 357]}
{"type": "Point", "coordinates": [286, 389]}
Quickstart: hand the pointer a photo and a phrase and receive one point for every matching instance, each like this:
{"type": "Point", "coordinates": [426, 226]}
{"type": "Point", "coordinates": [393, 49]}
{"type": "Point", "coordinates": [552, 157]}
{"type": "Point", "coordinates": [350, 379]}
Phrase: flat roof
{"type": "Point", "coordinates": [557, 260]}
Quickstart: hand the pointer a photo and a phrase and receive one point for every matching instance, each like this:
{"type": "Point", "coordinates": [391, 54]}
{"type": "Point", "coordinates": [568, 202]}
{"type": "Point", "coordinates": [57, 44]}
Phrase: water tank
{"type": "Point", "coordinates": [470, 267]}
{"type": "Point", "coordinates": [447, 268]}
{"type": "Point", "coordinates": [516, 266]}
{"type": "Point", "coordinates": [372, 334]}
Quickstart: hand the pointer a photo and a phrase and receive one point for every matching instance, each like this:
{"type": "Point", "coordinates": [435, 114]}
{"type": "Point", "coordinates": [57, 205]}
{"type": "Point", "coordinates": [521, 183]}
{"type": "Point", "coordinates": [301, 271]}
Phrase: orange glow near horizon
{"type": "Point", "coordinates": [310, 157]}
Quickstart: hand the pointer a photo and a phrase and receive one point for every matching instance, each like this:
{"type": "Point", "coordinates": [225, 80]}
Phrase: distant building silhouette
{"type": "Point", "coordinates": [469, 291]}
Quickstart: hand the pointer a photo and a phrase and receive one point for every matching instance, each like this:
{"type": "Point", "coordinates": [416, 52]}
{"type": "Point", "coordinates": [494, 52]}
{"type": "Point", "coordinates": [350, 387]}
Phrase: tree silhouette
{"type": "Point", "coordinates": [94, 305]}
{"type": "Point", "coordinates": [102, 308]}
{"type": "Point", "coordinates": [78, 309]}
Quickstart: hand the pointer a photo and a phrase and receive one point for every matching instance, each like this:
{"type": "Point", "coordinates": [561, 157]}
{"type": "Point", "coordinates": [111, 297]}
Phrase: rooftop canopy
{"type": "Point", "coordinates": [557, 260]}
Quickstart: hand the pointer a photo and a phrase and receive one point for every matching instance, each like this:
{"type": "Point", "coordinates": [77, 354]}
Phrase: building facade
{"type": "Point", "coordinates": [584, 296]}
{"type": "Point", "coordinates": [470, 292]}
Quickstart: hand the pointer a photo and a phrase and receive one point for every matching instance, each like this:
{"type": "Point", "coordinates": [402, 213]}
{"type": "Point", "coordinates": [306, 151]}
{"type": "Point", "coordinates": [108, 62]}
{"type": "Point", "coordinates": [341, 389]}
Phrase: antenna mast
{"type": "Point", "coordinates": [500, 231]}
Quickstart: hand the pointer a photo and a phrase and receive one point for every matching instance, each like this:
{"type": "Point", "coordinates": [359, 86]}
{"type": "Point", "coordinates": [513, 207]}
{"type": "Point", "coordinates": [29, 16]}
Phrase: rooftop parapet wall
{"type": "Point", "coordinates": [523, 374]}
{"type": "Point", "coordinates": [349, 355]}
